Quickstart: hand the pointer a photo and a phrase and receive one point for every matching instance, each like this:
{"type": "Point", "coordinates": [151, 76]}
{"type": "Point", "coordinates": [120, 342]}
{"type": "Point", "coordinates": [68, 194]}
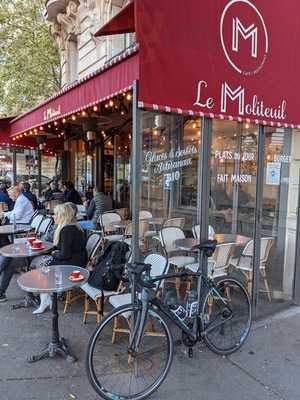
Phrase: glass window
{"type": "Point", "coordinates": [123, 170]}
{"type": "Point", "coordinates": [279, 222]}
{"type": "Point", "coordinates": [170, 157]}
{"type": "Point", "coordinates": [233, 194]}
{"type": "Point", "coordinates": [51, 167]}
{"type": "Point", "coordinates": [80, 167]}
{"type": "Point", "coordinates": [6, 165]}
{"type": "Point", "coordinates": [27, 167]}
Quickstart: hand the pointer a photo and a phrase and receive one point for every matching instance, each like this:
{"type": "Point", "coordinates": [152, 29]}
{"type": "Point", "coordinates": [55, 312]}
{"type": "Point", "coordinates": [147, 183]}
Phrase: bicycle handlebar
{"type": "Point", "coordinates": [139, 268]}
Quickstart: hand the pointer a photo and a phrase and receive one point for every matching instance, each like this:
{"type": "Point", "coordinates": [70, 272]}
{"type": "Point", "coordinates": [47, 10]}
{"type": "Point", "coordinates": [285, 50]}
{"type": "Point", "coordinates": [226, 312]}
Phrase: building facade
{"type": "Point", "coordinates": [73, 26]}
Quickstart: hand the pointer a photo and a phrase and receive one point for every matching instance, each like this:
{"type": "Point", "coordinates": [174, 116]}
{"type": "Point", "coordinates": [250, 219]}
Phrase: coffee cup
{"type": "Point", "coordinates": [36, 244]}
{"type": "Point", "coordinates": [31, 240]}
{"type": "Point", "coordinates": [75, 274]}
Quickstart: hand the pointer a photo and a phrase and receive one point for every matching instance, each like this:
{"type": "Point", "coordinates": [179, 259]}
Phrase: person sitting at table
{"type": "Point", "coordinates": [53, 192]}
{"type": "Point", "coordinates": [4, 197]}
{"type": "Point", "coordinates": [47, 192]}
{"type": "Point", "coordinates": [70, 243]}
{"type": "Point", "coordinates": [23, 208]}
{"type": "Point", "coordinates": [71, 194]}
{"type": "Point", "coordinates": [99, 204]}
{"type": "Point", "coordinates": [25, 187]}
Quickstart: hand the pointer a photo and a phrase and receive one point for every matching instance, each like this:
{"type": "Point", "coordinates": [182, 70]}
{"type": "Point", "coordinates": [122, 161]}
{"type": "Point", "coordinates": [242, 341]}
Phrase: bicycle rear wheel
{"type": "Point", "coordinates": [227, 316]}
{"type": "Point", "coordinates": [116, 375]}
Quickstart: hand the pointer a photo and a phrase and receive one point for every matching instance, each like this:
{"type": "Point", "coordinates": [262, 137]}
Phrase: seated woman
{"type": "Point", "coordinates": [70, 243]}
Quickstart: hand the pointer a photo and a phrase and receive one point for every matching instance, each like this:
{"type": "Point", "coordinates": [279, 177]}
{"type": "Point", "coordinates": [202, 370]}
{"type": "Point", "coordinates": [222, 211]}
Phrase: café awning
{"type": "Point", "coordinates": [123, 22]}
{"type": "Point", "coordinates": [113, 78]}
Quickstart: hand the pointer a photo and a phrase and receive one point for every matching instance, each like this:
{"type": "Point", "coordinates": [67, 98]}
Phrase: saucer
{"type": "Point", "coordinates": [80, 278]}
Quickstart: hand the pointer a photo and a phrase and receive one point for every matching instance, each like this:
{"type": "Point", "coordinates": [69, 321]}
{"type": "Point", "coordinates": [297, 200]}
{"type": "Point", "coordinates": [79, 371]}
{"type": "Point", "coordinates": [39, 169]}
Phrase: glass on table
{"type": "Point", "coordinates": [58, 278]}
{"type": "Point", "coordinates": [45, 269]}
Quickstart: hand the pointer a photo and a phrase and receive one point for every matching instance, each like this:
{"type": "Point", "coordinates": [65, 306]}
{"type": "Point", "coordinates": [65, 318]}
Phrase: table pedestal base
{"type": "Point", "coordinates": [57, 345]}
{"type": "Point", "coordinates": [53, 350]}
{"type": "Point", "coordinates": [27, 302]}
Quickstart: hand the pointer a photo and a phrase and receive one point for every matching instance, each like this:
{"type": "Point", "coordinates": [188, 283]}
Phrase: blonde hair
{"type": "Point", "coordinates": [66, 215]}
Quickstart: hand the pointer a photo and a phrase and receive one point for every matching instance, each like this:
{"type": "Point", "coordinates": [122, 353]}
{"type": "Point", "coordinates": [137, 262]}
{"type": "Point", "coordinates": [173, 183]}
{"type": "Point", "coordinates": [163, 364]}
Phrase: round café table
{"type": "Point", "coordinates": [11, 230]}
{"type": "Point", "coordinates": [38, 281]}
{"type": "Point", "coordinates": [23, 250]}
{"type": "Point", "coordinates": [188, 244]}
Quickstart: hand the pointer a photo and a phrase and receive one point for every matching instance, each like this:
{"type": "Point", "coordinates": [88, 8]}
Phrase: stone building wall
{"type": "Point", "coordinates": [73, 24]}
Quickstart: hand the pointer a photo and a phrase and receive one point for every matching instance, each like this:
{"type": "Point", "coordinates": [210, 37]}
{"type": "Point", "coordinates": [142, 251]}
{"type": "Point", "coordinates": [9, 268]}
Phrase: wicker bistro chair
{"type": "Point", "coordinates": [92, 247]}
{"type": "Point", "coordinates": [245, 262]}
{"type": "Point", "coordinates": [219, 263]}
{"type": "Point", "coordinates": [159, 266]}
{"type": "Point", "coordinates": [109, 232]}
{"type": "Point", "coordinates": [175, 222]}
{"type": "Point", "coordinates": [35, 224]}
{"type": "Point", "coordinates": [123, 212]}
{"type": "Point", "coordinates": [167, 237]}
{"type": "Point", "coordinates": [99, 298]}
{"type": "Point", "coordinates": [143, 228]}
{"type": "Point", "coordinates": [44, 226]}
{"type": "Point", "coordinates": [196, 232]}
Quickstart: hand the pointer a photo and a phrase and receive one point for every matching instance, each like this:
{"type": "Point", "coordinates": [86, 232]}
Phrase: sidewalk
{"type": "Point", "coordinates": [268, 366]}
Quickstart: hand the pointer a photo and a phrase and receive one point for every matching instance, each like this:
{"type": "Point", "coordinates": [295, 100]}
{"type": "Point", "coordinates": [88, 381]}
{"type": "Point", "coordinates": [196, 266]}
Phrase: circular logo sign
{"type": "Point", "coordinates": [244, 37]}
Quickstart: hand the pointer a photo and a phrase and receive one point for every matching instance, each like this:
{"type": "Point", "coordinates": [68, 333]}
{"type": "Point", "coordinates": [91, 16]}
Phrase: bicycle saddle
{"type": "Point", "coordinates": [208, 247]}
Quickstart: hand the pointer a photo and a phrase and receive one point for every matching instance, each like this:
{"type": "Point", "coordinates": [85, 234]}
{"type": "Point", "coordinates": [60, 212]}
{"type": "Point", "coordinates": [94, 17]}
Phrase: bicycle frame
{"type": "Point", "coordinates": [148, 298]}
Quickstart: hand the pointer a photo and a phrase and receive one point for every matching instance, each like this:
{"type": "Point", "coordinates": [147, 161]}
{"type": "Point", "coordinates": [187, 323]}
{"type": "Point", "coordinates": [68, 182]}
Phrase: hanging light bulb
{"type": "Point", "coordinates": [55, 123]}
{"type": "Point", "coordinates": [83, 113]}
{"type": "Point", "coordinates": [128, 97]}
{"type": "Point", "coordinates": [73, 117]}
{"type": "Point", "coordinates": [95, 108]}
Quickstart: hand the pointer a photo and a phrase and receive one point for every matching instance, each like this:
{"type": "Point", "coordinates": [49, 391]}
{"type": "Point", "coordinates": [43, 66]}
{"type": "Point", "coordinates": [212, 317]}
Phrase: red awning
{"type": "Point", "coordinates": [110, 80]}
{"type": "Point", "coordinates": [123, 22]}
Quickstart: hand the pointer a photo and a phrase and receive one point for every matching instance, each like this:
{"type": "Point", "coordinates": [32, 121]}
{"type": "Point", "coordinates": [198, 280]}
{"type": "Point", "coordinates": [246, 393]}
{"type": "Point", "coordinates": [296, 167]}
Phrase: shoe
{"type": "Point", "coordinates": [3, 298]}
{"type": "Point", "coordinates": [45, 303]}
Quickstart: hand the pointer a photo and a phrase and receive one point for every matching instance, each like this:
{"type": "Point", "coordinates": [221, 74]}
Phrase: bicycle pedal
{"type": "Point", "coordinates": [191, 352]}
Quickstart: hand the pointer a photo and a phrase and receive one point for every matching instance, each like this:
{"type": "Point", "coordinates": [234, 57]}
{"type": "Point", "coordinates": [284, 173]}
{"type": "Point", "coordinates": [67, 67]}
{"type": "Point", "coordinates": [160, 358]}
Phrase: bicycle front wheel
{"type": "Point", "coordinates": [112, 371]}
{"type": "Point", "coordinates": [227, 316]}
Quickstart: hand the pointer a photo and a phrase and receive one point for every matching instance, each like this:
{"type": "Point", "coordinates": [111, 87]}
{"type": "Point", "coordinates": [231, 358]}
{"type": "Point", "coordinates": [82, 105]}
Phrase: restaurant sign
{"type": "Point", "coordinates": [170, 163]}
{"type": "Point", "coordinates": [226, 58]}
{"type": "Point", "coordinates": [51, 112]}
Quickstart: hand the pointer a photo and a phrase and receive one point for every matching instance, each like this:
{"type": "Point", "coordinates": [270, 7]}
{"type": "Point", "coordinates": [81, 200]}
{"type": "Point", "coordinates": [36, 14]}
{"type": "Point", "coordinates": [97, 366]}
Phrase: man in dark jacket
{"type": "Point", "coordinates": [4, 197]}
{"type": "Point", "coordinates": [25, 187]}
{"type": "Point", "coordinates": [71, 195]}
{"type": "Point", "coordinates": [99, 204]}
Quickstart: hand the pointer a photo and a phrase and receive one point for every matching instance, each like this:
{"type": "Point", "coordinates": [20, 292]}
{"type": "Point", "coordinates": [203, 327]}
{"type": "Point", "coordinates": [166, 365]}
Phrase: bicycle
{"type": "Point", "coordinates": [131, 351]}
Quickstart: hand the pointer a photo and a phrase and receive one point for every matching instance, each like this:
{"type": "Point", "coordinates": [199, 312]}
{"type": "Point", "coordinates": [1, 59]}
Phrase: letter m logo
{"type": "Point", "coordinates": [246, 33]}
{"type": "Point", "coordinates": [238, 93]}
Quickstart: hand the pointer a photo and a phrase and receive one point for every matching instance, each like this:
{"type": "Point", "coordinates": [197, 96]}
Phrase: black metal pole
{"type": "Point", "coordinates": [40, 172]}
{"type": "Point", "coordinates": [204, 183]}
{"type": "Point", "coordinates": [258, 218]}
{"type": "Point", "coordinates": [55, 332]}
{"type": "Point", "coordinates": [136, 173]}
{"type": "Point", "coordinates": [14, 167]}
